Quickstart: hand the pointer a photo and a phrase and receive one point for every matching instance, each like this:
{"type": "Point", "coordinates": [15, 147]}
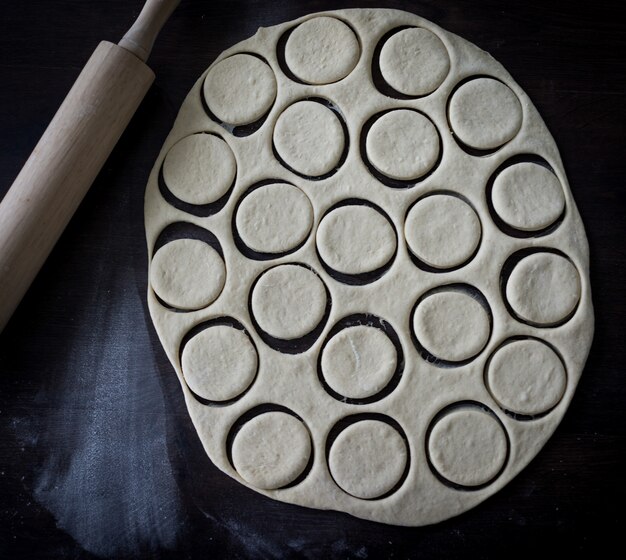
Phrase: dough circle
{"type": "Point", "coordinates": [526, 377]}
{"type": "Point", "coordinates": [359, 361]}
{"type": "Point", "coordinates": [219, 363]}
{"type": "Point", "coordinates": [528, 196]}
{"type": "Point", "coordinates": [187, 274]}
{"type": "Point", "coordinates": [199, 169]}
{"type": "Point", "coordinates": [442, 231]}
{"type": "Point", "coordinates": [451, 325]}
{"type": "Point", "coordinates": [271, 450]}
{"type": "Point", "coordinates": [274, 218]}
{"type": "Point", "coordinates": [485, 113]}
{"type": "Point", "coordinates": [414, 61]}
{"type": "Point", "coordinates": [468, 446]}
{"type": "Point", "coordinates": [544, 288]}
{"type": "Point", "coordinates": [368, 459]}
{"type": "Point", "coordinates": [403, 145]}
{"type": "Point", "coordinates": [355, 239]}
{"type": "Point", "coordinates": [309, 138]}
{"type": "Point", "coordinates": [322, 50]}
{"type": "Point", "coordinates": [288, 301]}
{"type": "Point", "coordinates": [240, 89]}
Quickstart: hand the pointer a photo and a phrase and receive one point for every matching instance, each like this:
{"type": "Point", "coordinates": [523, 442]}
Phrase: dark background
{"type": "Point", "coordinates": [97, 453]}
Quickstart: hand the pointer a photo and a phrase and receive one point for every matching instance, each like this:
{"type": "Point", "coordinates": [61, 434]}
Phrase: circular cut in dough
{"type": "Point", "coordinates": [544, 288]}
{"type": "Point", "coordinates": [199, 169]}
{"type": "Point", "coordinates": [240, 89]}
{"type": "Point", "coordinates": [368, 459]}
{"type": "Point", "coordinates": [187, 274]}
{"type": "Point", "coordinates": [309, 138]}
{"type": "Point", "coordinates": [403, 144]}
{"type": "Point", "coordinates": [526, 377]}
{"type": "Point", "coordinates": [271, 450]}
{"type": "Point", "coordinates": [359, 362]}
{"type": "Point", "coordinates": [355, 239]}
{"type": "Point", "coordinates": [288, 301]}
{"type": "Point", "coordinates": [274, 218]}
{"type": "Point", "coordinates": [414, 61]}
{"type": "Point", "coordinates": [528, 196]}
{"type": "Point", "coordinates": [485, 113]}
{"type": "Point", "coordinates": [219, 363]}
{"type": "Point", "coordinates": [442, 231]}
{"type": "Point", "coordinates": [451, 325]}
{"type": "Point", "coordinates": [322, 50]}
{"type": "Point", "coordinates": [468, 447]}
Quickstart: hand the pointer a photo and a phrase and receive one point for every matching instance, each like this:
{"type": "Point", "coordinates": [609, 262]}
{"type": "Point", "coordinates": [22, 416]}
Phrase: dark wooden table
{"type": "Point", "coordinates": [97, 454]}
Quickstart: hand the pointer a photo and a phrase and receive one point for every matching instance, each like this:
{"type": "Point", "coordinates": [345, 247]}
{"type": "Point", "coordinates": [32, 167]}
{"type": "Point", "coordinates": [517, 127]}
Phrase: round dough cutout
{"type": "Point", "coordinates": [219, 363]}
{"type": "Point", "coordinates": [359, 361]}
{"type": "Point", "coordinates": [403, 145]}
{"type": "Point", "coordinates": [240, 89]}
{"type": "Point", "coordinates": [528, 196]}
{"type": "Point", "coordinates": [485, 114]}
{"type": "Point", "coordinates": [468, 447]}
{"type": "Point", "coordinates": [544, 288]}
{"type": "Point", "coordinates": [451, 325]}
{"type": "Point", "coordinates": [271, 450]}
{"type": "Point", "coordinates": [442, 231]}
{"type": "Point", "coordinates": [322, 50]}
{"type": "Point", "coordinates": [309, 138]}
{"type": "Point", "coordinates": [526, 377]}
{"type": "Point", "coordinates": [199, 169]}
{"type": "Point", "coordinates": [288, 301]}
{"type": "Point", "coordinates": [187, 274]}
{"type": "Point", "coordinates": [414, 61]}
{"type": "Point", "coordinates": [274, 218]}
{"type": "Point", "coordinates": [368, 459]}
{"type": "Point", "coordinates": [355, 239]}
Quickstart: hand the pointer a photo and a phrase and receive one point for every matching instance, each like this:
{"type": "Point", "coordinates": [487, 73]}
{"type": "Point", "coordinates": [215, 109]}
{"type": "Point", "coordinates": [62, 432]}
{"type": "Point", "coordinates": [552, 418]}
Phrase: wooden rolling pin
{"type": "Point", "coordinates": [71, 152]}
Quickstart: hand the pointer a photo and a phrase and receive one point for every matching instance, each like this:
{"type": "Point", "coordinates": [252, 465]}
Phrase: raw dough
{"type": "Point", "coordinates": [355, 239]}
{"type": "Point", "coordinates": [240, 89]}
{"type": "Point", "coordinates": [322, 50]}
{"type": "Point", "coordinates": [199, 169]}
{"type": "Point", "coordinates": [442, 231]}
{"type": "Point", "coordinates": [313, 198]}
{"type": "Point", "coordinates": [414, 61]}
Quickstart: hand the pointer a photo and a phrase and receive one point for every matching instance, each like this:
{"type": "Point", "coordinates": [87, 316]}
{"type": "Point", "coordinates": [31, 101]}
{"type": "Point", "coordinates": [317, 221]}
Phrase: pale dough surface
{"type": "Point", "coordinates": [458, 421]}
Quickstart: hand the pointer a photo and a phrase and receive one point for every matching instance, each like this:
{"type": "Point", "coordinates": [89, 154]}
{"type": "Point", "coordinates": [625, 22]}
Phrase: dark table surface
{"type": "Point", "coordinates": [97, 454]}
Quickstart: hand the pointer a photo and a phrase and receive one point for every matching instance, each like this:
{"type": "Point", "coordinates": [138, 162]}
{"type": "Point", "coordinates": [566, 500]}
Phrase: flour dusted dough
{"type": "Point", "coordinates": [400, 310]}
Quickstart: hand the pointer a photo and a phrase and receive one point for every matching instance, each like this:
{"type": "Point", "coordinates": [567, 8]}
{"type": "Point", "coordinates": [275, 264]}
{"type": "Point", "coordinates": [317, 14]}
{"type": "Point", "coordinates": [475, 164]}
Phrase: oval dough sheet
{"type": "Point", "coordinates": [442, 231]}
{"type": "Point", "coordinates": [219, 363]}
{"type": "Point", "coordinates": [368, 459]}
{"type": "Point", "coordinates": [240, 89]}
{"type": "Point", "coordinates": [403, 145]}
{"type": "Point", "coordinates": [528, 196]}
{"type": "Point", "coordinates": [322, 50]}
{"type": "Point", "coordinates": [289, 301]}
{"type": "Point", "coordinates": [274, 218]}
{"type": "Point", "coordinates": [395, 200]}
{"type": "Point", "coordinates": [359, 361]}
{"type": "Point", "coordinates": [309, 138]}
{"type": "Point", "coordinates": [526, 377]}
{"type": "Point", "coordinates": [543, 288]}
{"type": "Point", "coordinates": [485, 114]}
{"type": "Point", "coordinates": [355, 239]}
{"type": "Point", "coordinates": [467, 447]}
{"type": "Point", "coordinates": [199, 169]}
{"type": "Point", "coordinates": [451, 325]}
{"type": "Point", "coordinates": [271, 450]}
{"type": "Point", "coordinates": [187, 274]}
{"type": "Point", "coordinates": [414, 61]}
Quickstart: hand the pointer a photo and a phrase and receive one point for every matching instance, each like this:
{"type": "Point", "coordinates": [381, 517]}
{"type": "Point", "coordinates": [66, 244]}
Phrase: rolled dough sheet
{"type": "Point", "coordinates": [390, 310]}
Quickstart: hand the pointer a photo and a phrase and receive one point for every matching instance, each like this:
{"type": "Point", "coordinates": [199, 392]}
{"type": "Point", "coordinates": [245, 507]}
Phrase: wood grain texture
{"type": "Point", "coordinates": [97, 454]}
